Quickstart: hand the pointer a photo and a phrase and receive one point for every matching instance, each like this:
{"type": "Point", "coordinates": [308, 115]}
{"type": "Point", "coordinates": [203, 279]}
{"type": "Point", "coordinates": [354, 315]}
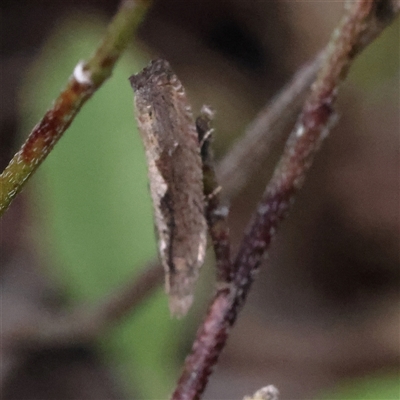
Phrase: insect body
{"type": "Point", "coordinates": [175, 172]}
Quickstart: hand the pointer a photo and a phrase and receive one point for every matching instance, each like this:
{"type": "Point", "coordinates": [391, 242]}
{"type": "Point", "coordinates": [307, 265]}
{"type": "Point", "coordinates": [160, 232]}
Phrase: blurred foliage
{"type": "Point", "coordinates": [384, 387]}
{"type": "Point", "coordinates": [92, 213]}
{"type": "Point", "coordinates": [380, 60]}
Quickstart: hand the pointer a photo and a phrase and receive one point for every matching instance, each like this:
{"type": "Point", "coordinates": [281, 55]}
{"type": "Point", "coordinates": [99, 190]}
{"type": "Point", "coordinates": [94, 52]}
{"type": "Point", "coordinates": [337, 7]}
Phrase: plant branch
{"type": "Point", "coordinates": [86, 323]}
{"type": "Point", "coordinates": [247, 154]}
{"type": "Point", "coordinates": [86, 79]}
{"type": "Point", "coordinates": [311, 128]}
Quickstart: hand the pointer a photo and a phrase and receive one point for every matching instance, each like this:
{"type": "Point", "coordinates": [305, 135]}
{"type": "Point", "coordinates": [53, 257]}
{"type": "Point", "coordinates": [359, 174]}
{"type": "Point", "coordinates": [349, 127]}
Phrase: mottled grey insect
{"type": "Point", "coordinates": [175, 172]}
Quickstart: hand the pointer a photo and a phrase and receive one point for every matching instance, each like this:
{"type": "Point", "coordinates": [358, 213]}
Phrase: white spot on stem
{"type": "Point", "coordinates": [300, 130]}
{"type": "Point", "coordinates": [82, 76]}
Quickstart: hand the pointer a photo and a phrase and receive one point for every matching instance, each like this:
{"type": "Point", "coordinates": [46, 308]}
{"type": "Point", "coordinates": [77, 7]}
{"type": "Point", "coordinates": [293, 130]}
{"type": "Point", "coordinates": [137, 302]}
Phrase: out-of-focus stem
{"type": "Point", "coordinates": [86, 79]}
{"type": "Point", "coordinates": [312, 126]}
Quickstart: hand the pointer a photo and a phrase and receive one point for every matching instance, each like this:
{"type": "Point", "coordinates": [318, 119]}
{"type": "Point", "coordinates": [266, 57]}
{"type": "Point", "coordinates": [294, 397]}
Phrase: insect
{"type": "Point", "coordinates": [174, 164]}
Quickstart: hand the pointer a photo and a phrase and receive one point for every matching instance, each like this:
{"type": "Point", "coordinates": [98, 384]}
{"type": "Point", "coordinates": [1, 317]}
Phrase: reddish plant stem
{"type": "Point", "coordinates": [312, 126]}
{"type": "Point", "coordinates": [247, 154]}
{"type": "Point", "coordinates": [205, 350]}
{"type": "Point", "coordinates": [209, 342]}
{"type": "Point", "coordinates": [253, 147]}
{"type": "Point", "coordinates": [42, 140]}
{"type": "Point", "coordinates": [86, 79]}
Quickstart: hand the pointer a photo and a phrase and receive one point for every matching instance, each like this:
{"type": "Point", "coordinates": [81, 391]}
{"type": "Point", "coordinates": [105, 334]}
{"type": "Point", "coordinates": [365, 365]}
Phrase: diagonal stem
{"type": "Point", "coordinates": [86, 79]}
{"type": "Point", "coordinates": [311, 128]}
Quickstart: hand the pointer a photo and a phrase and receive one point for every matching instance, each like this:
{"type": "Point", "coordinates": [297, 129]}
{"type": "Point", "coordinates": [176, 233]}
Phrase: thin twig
{"type": "Point", "coordinates": [86, 79]}
{"type": "Point", "coordinates": [216, 213]}
{"type": "Point", "coordinates": [312, 126]}
{"type": "Point", "coordinates": [86, 323]}
{"type": "Point", "coordinates": [247, 154]}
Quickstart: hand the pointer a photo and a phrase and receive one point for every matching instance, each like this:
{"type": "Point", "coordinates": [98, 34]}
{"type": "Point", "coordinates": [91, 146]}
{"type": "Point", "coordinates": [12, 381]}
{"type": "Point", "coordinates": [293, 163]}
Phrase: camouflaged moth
{"type": "Point", "coordinates": [174, 164]}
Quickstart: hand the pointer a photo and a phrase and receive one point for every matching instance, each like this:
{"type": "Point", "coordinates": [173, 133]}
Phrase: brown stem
{"type": "Point", "coordinates": [216, 213]}
{"type": "Point", "coordinates": [86, 79]}
{"type": "Point", "coordinates": [312, 126]}
{"type": "Point", "coordinates": [247, 154]}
